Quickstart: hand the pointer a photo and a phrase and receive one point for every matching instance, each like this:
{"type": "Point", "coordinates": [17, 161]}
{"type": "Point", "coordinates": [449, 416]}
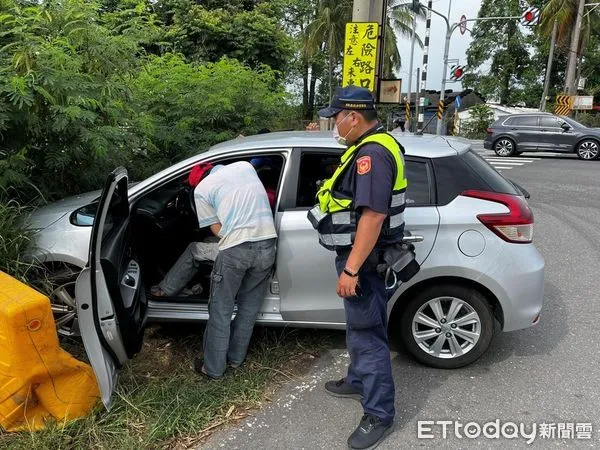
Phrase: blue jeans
{"type": "Point", "coordinates": [370, 369]}
{"type": "Point", "coordinates": [240, 275]}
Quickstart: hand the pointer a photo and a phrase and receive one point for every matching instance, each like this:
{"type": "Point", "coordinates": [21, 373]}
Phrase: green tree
{"type": "Point", "coordinates": [308, 64]}
{"type": "Point", "coordinates": [501, 50]}
{"type": "Point", "coordinates": [565, 13]}
{"type": "Point", "coordinates": [186, 107]}
{"type": "Point", "coordinates": [327, 33]}
{"type": "Point", "coordinates": [254, 37]}
{"type": "Point", "coordinates": [63, 100]}
{"type": "Point", "coordinates": [398, 23]}
{"type": "Point", "coordinates": [481, 118]}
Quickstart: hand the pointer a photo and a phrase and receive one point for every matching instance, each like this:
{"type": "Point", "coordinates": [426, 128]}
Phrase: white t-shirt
{"type": "Point", "coordinates": [234, 196]}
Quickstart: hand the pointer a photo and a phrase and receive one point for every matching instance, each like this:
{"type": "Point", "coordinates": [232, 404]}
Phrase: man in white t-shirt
{"type": "Point", "coordinates": [232, 201]}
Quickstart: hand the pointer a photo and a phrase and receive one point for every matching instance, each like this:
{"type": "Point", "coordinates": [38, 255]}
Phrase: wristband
{"type": "Point", "coordinates": [349, 273]}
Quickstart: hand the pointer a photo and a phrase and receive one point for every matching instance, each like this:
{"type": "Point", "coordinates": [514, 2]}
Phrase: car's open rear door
{"type": "Point", "coordinates": [111, 302]}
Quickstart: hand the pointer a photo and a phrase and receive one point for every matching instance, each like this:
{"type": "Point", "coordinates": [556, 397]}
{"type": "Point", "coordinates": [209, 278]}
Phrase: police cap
{"type": "Point", "coordinates": [350, 98]}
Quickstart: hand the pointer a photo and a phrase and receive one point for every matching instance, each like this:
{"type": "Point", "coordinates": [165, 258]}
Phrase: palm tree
{"type": "Point", "coordinates": [398, 23]}
{"type": "Point", "coordinates": [326, 33]}
{"type": "Point", "coordinates": [565, 14]}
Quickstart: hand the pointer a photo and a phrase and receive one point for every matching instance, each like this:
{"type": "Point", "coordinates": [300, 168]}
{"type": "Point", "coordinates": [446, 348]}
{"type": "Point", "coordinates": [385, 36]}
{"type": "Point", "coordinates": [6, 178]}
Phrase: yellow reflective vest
{"type": "Point", "coordinates": [334, 216]}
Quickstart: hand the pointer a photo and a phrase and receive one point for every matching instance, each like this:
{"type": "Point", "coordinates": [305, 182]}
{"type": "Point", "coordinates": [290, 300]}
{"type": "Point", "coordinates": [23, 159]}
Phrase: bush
{"type": "Point", "coordinates": [186, 107]}
{"type": "Point", "coordinates": [481, 118]}
{"type": "Point", "coordinates": [588, 119]}
{"type": "Point", "coordinates": [14, 239]}
{"type": "Point", "coordinates": [63, 100]}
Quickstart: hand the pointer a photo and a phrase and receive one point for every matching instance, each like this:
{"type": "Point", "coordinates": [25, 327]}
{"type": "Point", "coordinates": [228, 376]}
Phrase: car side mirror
{"type": "Point", "coordinates": [84, 216]}
{"type": "Point", "coordinates": [565, 126]}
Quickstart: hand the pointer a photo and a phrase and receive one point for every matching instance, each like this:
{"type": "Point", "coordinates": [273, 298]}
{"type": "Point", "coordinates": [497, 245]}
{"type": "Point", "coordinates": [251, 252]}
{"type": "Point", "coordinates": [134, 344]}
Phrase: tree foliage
{"type": "Point", "coordinates": [87, 86]}
{"type": "Point", "coordinates": [481, 118]}
{"type": "Point", "coordinates": [63, 96]}
{"type": "Point", "coordinates": [186, 107]}
{"type": "Point", "coordinates": [500, 53]}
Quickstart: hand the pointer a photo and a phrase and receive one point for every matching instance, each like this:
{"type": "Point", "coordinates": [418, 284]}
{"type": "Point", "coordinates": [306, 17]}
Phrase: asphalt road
{"type": "Point", "coordinates": [548, 374]}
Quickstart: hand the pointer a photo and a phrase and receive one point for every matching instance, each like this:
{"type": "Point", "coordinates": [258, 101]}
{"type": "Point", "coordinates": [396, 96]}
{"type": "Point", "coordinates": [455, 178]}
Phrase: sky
{"type": "Point", "coordinates": [458, 44]}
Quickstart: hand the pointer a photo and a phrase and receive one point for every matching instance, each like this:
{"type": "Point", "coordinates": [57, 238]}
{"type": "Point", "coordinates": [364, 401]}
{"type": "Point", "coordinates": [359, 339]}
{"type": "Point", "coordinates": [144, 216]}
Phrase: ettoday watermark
{"type": "Point", "coordinates": [496, 429]}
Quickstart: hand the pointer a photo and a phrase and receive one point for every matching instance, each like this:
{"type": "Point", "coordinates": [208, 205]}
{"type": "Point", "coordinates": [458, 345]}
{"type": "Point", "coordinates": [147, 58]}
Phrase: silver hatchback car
{"type": "Point", "coordinates": [471, 227]}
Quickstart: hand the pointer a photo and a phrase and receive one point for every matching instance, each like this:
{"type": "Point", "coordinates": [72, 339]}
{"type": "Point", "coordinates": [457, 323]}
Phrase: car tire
{"type": "Point", "coordinates": [588, 149]}
{"type": "Point", "coordinates": [505, 147]}
{"type": "Point", "coordinates": [58, 283]}
{"type": "Point", "coordinates": [455, 342]}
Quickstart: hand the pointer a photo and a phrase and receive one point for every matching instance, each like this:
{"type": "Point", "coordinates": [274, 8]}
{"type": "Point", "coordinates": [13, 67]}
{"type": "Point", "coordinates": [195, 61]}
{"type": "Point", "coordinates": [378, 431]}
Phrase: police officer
{"type": "Point", "coordinates": [360, 213]}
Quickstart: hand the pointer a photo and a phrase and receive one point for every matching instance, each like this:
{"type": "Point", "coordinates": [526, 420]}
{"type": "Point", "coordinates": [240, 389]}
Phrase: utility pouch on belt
{"type": "Point", "coordinates": [398, 263]}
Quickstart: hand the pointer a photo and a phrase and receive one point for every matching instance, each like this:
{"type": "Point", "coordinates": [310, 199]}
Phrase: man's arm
{"type": "Point", "coordinates": [216, 229]}
{"type": "Point", "coordinates": [367, 233]}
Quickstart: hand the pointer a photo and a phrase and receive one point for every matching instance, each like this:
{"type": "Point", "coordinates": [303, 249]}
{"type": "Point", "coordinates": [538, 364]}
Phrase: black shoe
{"type": "Point", "coordinates": [369, 434]}
{"type": "Point", "coordinates": [342, 389]}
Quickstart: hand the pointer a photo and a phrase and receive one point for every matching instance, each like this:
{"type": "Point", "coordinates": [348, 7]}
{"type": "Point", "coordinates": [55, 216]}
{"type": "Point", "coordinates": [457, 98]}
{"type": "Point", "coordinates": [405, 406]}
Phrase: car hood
{"type": "Point", "coordinates": [46, 215]}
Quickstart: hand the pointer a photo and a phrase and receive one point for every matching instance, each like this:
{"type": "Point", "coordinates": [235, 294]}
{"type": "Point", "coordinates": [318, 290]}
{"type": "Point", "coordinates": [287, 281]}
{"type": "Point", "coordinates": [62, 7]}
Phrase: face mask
{"type": "Point", "coordinates": [336, 134]}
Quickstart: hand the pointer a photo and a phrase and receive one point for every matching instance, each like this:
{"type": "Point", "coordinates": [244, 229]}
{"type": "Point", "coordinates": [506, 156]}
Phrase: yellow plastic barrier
{"type": "Point", "coordinates": [38, 379]}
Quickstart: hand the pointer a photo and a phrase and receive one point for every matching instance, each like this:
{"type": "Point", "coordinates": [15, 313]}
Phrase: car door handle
{"type": "Point", "coordinates": [413, 238]}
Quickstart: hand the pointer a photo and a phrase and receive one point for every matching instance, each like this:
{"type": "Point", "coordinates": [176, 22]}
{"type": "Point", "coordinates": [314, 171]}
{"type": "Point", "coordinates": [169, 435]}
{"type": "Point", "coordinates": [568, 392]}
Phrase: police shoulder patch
{"type": "Point", "coordinates": [363, 165]}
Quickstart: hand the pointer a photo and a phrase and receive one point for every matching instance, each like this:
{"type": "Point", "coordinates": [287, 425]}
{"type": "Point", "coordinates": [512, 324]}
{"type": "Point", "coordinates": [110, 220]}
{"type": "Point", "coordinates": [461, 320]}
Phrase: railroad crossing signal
{"type": "Point", "coordinates": [530, 17]}
{"type": "Point", "coordinates": [457, 73]}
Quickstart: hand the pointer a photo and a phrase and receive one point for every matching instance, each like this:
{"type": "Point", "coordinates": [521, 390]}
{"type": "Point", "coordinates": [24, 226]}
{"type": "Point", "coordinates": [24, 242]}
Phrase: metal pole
{"type": "Point", "coordinates": [417, 115]}
{"type": "Point", "coordinates": [573, 53]}
{"type": "Point", "coordinates": [361, 10]}
{"type": "Point", "coordinates": [425, 63]}
{"type": "Point", "coordinates": [549, 67]}
{"type": "Point", "coordinates": [412, 55]}
{"type": "Point", "coordinates": [449, 30]}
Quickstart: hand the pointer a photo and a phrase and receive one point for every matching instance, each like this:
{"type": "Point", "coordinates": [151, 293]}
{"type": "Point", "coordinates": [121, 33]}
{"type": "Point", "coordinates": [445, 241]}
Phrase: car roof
{"type": "Point", "coordinates": [429, 146]}
{"type": "Point", "coordinates": [426, 146]}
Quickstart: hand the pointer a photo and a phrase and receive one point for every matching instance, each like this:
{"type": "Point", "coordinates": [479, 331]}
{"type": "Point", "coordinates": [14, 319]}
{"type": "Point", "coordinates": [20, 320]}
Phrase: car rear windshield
{"type": "Point", "coordinates": [456, 174]}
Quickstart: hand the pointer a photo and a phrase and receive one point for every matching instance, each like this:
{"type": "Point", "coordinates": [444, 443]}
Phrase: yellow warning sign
{"type": "Point", "coordinates": [360, 54]}
{"type": "Point", "coordinates": [564, 104]}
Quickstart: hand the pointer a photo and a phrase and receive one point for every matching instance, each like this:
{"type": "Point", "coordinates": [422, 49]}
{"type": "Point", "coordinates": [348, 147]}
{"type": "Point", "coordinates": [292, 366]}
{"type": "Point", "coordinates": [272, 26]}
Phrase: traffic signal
{"type": "Point", "coordinates": [415, 5]}
{"type": "Point", "coordinates": [530, 17]}
{"type": "Point", "coordinates": [457, 73]}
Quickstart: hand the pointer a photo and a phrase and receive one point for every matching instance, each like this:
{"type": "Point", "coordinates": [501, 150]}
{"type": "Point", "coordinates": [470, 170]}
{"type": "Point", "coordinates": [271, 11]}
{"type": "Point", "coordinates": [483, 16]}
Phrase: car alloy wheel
{"type": "Point", "coordinates": [588, 150]}
{"type": "Point", "coordinates": [64, 309]}
{"type": "Point", "coordinates": [447, 326]}
{"type": "Point", "coordinates": [504, 147]}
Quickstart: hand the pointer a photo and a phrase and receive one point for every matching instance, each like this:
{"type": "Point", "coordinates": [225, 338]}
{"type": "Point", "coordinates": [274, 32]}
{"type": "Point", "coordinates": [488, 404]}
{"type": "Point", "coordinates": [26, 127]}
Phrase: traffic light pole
{"type": "Point", "coordinates": [449, 30]}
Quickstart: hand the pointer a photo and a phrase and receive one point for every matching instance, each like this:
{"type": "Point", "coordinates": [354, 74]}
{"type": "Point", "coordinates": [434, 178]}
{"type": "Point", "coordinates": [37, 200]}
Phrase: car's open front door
{"type": "Point", "coordinates": [111, 302]}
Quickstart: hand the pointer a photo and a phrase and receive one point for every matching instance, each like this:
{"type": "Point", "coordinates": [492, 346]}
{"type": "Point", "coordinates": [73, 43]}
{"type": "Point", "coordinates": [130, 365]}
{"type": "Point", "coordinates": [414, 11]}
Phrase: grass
{"type": "Point", "coordinates": [160, 403]}
{"type": "Point", "coordinates": [14, 239]}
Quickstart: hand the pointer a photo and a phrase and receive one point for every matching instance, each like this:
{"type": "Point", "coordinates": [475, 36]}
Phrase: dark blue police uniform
{"type": "Point", "coordinates": [370, 371]}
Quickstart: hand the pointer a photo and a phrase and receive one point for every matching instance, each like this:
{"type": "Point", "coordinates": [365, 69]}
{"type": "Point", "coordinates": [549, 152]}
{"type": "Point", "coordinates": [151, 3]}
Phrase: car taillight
{"type": "Point", "coordinates": [514, 226]}
{"type": "Point", "coordinates": [489, 131]}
